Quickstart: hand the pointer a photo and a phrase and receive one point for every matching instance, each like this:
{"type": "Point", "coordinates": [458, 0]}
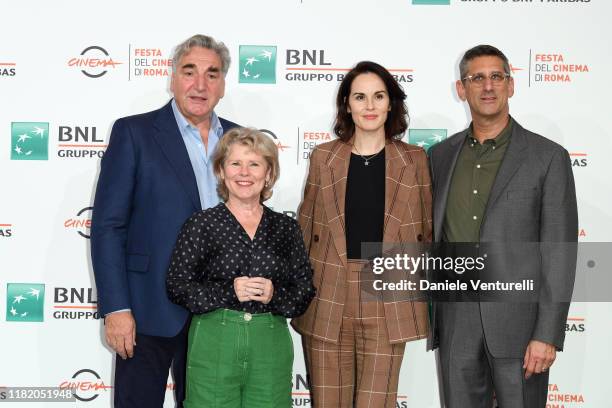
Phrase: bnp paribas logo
{"type": "Point", "coordinates": [257, 64]}
{"type": "Point", "coordinates": [25, 302]}
{"type": "Point", "coordinates": [426, 138]}
{"type": "Point", "coordinates": [29, 141]}
{"type": "Point", "coordinates": [431, 2]}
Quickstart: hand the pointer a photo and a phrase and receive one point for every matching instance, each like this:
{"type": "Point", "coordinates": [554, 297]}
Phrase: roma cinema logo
{"type": "Point", "coordinates": [556, 67]}
{"type": "Point", "coordinates": [279, 144]}
{"type": "Point", "coordinates": [86, 384]}
{"type": "Point", "coordinates": [94, 62]}
{"type": "Point", "coordinates": [148, 62]}
{"type": "Point", "coordinates": [309, 139]}
{"type": "Point", "coordinates": [81, 223]}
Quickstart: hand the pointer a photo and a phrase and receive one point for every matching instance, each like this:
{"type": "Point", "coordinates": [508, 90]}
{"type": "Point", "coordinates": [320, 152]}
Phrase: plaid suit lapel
{"type": "Point", "coordinates": [397, 190]}
{"type": "Point", "coordinates": [333, 188]}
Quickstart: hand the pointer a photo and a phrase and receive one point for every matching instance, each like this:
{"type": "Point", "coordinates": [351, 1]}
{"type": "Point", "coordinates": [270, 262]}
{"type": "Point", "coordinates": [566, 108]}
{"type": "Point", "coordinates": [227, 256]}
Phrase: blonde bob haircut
{"type": "Point", "coordinates": [259, 143]}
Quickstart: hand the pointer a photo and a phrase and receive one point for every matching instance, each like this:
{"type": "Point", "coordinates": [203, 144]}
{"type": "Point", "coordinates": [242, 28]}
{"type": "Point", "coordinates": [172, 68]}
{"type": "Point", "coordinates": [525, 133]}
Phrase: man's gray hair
{"type": "Point", "coordinates": [482, 50]}
{"type": "Point", "coordinates": [203, 41]}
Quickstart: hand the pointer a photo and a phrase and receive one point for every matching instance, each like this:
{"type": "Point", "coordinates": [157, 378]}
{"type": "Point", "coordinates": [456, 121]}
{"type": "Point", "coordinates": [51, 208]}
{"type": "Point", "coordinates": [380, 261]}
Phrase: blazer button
{"type": "Point", "coordinates": [316, 238]}
{"type": "Point", "coordinates": [420, 237]}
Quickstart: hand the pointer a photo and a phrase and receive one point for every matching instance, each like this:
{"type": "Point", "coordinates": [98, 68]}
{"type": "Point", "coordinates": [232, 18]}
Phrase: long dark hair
{"type": "Point", "coordinates": [397, 118]}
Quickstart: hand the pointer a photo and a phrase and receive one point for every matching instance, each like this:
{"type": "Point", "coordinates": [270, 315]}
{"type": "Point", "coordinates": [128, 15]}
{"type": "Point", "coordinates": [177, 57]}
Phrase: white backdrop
{"type": "Point", "coordinates": [561, 58]}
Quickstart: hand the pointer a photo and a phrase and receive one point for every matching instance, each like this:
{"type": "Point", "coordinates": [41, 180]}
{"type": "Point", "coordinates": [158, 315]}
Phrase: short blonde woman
{"type": "Point", "coordinates": [242, 269]}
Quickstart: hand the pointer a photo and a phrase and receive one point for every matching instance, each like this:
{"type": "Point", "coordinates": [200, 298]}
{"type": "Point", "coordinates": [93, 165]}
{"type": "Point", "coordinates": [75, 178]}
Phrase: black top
{"type": "Point", "coordinates": [212, 249]}
{"type": "Point", "coordinates": [364, 204]}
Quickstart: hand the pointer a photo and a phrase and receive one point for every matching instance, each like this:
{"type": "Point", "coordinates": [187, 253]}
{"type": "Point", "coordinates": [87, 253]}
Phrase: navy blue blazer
{"type": "Point", "coordinates": [146, 191]}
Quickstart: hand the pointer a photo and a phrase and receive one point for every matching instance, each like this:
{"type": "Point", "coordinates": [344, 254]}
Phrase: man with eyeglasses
{"type": "Point", "coordinates": [507, 194]}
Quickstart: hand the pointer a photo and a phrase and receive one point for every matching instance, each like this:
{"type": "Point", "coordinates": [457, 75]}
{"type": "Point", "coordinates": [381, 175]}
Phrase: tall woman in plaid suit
{"type": "Point", "coordinates": [365, 186]}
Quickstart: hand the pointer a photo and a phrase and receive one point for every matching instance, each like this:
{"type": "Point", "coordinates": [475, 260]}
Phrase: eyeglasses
{"type": "Point", "coordinates": [496, 78]}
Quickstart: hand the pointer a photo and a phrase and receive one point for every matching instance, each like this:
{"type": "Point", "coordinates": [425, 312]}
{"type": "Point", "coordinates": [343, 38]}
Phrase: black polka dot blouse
{"type": "Point", "coordinates": [212, 249]}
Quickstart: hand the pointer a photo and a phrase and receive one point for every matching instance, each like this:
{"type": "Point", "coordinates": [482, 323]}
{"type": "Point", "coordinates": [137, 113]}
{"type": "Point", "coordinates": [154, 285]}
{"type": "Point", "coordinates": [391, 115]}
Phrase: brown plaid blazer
{"type": "Point", "coordinates": [321, 215]}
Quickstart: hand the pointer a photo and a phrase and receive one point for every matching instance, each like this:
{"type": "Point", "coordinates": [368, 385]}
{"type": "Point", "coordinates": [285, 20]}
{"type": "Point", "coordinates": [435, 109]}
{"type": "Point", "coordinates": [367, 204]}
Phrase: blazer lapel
{"type": "Point", "coordinates": [444, 168]}
{"type": "Point", "coordinates": [333, 188]}
{"type": "Point", "coordinates": [397, 190]}
{"type": "Point", "coordinates": [169, 139]}
{"type": "Point", "coordinates": [513, 159]}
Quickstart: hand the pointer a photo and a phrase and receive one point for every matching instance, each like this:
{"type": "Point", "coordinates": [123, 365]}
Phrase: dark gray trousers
{"type": "Point", "coordinates": [471, 376]}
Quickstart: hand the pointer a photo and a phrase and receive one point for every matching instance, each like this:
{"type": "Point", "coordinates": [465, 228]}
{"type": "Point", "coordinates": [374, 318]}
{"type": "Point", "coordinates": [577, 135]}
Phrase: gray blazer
{"type": "Point", "coordinates": [533, 200]}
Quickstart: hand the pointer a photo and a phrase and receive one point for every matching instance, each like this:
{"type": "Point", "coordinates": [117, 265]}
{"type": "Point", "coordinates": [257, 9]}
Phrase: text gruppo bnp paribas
{"type": "Point", "coordinates": [458, 265]}
{"type": "Point", "coordinates": [314, 65]}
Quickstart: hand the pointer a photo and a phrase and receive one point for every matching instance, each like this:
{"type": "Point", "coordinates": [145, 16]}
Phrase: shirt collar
{"type": "Point", "coordinates": [499, 140]}
{"type": "Point", "coordinates": [183, 123]}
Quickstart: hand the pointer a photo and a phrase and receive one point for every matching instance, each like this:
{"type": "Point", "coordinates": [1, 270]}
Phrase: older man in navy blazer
{"type": "Point", "coordinates": [156, 172]}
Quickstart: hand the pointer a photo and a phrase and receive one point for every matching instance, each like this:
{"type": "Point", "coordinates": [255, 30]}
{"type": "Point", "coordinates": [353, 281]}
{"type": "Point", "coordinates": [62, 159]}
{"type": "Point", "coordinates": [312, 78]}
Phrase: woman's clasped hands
{"type": "Point", "coordinates": [258, 289]}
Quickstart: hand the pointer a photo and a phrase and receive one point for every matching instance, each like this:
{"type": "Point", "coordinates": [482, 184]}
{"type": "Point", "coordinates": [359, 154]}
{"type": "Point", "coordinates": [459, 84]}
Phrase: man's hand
{"type": "Point", "coordinates": [120, 331]}
{"type": "Point", "coordinates": [538, 357]}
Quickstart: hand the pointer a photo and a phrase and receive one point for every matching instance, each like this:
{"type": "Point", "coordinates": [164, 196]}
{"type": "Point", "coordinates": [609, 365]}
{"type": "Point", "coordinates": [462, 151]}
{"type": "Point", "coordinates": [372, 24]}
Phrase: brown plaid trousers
{"type": "Point", "coordinates": [362, 369]}
{"type": "Point", "coordinates": [408, 204]}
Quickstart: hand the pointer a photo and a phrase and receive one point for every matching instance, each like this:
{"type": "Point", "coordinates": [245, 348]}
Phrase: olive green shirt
{"type": "Point", "coordinates": [471, 184]}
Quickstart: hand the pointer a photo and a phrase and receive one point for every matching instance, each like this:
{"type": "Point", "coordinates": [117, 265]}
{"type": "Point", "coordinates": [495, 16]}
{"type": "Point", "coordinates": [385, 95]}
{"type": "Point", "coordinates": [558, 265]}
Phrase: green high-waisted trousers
{"type": "Point", "coordinates": [239, 360]}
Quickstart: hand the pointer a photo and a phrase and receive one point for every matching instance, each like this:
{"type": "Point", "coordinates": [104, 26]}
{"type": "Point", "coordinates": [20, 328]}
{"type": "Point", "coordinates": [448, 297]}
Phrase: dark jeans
{"type": "Point", "coordinates": [141, 381]}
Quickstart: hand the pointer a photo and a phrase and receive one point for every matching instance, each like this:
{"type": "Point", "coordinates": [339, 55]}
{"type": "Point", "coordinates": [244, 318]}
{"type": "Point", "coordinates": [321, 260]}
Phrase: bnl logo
{"type": "Point", "coordinates": [25, 302]}
{"type": "Point", "coordinates": [29, 141]}
{"type": "Point", "coordinates": [426, 138]}
{"type": "Point", "coordinates": [257, 64]}
{"type": "Point", "coordinates": [431, 2]}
